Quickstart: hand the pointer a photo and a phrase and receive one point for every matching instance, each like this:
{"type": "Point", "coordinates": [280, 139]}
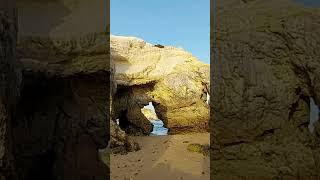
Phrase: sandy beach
{"type": "Point", "coordinates": [163, 158]}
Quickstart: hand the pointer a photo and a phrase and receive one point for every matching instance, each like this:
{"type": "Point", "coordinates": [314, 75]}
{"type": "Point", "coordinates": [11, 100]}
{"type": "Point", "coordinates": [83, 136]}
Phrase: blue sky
{"type": "Point", "coordinates": [180, 23]}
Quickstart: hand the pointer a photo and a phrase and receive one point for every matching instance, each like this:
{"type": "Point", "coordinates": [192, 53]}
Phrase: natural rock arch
{"type": "Point", "coordinates": [172, 79]}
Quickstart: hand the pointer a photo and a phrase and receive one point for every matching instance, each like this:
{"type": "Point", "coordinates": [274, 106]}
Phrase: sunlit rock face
{"type": "Point", "coordinates": [171, 78]}
{"type": "Point", "coordinates": [149, 114]}
{"type": "Point", "coordinates": [267, 67]}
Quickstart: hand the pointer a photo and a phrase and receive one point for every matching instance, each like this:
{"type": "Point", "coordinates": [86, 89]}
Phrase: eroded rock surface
{"type": "Point", "coordinates": [267, 66]}
{"type": "Point", "coordinates": [172, 79]}
{"type": "Point", "coordinates": [120, 142]}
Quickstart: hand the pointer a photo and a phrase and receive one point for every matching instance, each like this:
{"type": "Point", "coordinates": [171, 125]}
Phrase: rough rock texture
{"type": "Point", "coordinates": [149, 114]}
{"type": "Point", "coordinates": [10, 78]}
{"type": "Point", "coordinates": [59, 134]}
{"type": "Point", "coordinates": [120, 142]}
{"type": "Point", "coordinates": [171, 78]}
{"type": "Point", "coordinates": [128, 110]}
{"type": "Point", "coordinates": [67, 119]}
{"type": "Point", "coordinates": [266, 66]}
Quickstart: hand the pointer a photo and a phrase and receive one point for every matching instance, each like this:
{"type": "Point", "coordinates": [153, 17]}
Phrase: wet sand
{"type": "Point", "coordinates": [163, 158]}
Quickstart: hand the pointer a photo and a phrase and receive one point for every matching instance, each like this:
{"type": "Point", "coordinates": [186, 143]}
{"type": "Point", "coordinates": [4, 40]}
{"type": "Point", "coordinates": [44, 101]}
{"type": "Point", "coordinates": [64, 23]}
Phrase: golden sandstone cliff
{"type": "Point", "coordinates": [149, 114]}
{"type": "Point", "coordinates": [172, 79]}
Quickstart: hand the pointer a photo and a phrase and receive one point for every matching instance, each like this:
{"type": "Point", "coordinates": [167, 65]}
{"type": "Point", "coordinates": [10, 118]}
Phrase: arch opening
{"type": "Point", "coordinates": [158, 125]}
{"type": "Point", "coordinates": [314, 114]}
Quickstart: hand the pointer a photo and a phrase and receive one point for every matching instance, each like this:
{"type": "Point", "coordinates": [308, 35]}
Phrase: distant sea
{"type": "Point", "coordinates": [158, 129]}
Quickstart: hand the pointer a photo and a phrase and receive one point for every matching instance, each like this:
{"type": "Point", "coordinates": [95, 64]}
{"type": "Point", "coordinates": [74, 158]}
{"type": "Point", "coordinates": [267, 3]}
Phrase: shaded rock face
{"type": "Point", "coordinates": [127, 105]}
{"type": "Point", "coordinates": [55, 110]}
{"type": "Point", "coordinates": [119, 142]}
{"type": "Point", "coordinates": [10, 78]}
{"type": "Point", "coordinates": [266, 69]}
{"type": "Point", "coordinates": [60, 126]}
{"type": "Point", "coordinates": [173, 80]}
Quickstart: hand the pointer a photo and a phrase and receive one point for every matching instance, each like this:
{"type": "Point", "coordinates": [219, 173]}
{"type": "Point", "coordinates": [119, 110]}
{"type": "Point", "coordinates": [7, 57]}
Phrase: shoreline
{"type": "Point", "coordinates": [163, 158]}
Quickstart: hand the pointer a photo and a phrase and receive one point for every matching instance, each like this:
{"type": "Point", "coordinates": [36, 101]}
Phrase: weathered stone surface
{"type": "Point", "coordinates": [266, 69]}
{"type": "Point", "coordinates": [62, 115]}
{"type": "Point", "coordinates": [171, 78]}
{"type": "Point", "coordinates": [120, 142]}
{"type": "Point", "coordinates": [64, 124]}
{"type": "Point", "coordinates": [127, 108]}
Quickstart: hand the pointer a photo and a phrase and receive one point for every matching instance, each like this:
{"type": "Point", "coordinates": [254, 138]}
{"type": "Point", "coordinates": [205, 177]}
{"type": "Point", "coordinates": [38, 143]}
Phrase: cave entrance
{"type": "Point", "coordinates": [158, 125]}
{"type": "Point", "coordinates": [314, 114]}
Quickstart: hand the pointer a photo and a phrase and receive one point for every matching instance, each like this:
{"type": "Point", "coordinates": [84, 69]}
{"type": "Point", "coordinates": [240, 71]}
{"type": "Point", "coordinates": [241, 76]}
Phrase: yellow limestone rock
{"type": "Point", "coordinates": [172, 78]}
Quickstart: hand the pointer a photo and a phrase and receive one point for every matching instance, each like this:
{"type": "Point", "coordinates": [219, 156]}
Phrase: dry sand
{"type": "Point", "coordinates": [163, 158]}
